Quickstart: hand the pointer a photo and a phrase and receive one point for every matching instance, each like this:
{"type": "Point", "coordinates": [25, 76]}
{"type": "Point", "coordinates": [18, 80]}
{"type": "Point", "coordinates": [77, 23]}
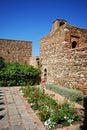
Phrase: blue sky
{"type": "Point", "coordinates": [32, 19]}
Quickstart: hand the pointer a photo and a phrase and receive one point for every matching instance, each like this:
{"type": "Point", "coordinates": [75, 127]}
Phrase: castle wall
{"type": "Point", "coordinates": [34, 60]}
{"type": "Point", "coordinates": [16, 50]}
{"type": "Point", "coordinates": [63, 54]}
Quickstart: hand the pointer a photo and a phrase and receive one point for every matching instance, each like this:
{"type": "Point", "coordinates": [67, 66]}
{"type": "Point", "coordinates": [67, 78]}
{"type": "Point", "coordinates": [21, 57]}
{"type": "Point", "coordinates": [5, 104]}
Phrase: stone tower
{"type": "Point", "coordinates": [63, 55]}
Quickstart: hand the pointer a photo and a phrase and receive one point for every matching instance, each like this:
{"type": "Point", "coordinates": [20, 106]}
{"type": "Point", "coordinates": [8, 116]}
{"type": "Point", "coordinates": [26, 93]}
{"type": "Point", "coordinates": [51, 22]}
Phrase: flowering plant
{"type": "Point", "coordinates": [50, 112]}
{"type": "Point", "coordinates": [43, 81]}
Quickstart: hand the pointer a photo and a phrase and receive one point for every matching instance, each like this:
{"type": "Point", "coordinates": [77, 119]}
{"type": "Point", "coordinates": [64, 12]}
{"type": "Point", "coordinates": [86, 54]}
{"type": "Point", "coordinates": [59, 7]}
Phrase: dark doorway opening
{"type": "Point", "coordinates": [74, 44]}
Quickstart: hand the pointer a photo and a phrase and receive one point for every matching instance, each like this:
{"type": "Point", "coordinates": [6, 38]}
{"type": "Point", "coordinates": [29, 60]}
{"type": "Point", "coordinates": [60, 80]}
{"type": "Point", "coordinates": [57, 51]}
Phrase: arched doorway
{"type": "Point", "coordinates": [74, 44]}
{"type": "Point", "coordinates": [45, 74]}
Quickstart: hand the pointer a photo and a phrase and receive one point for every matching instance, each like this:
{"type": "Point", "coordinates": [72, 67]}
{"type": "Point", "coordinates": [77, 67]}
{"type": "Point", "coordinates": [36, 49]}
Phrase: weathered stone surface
{"type": "Point", "coordinates": [34, 60]}
{"type": "Point", "coordinates": [16, 50]}
{"type": "Point", "coordinates": [63, 54]}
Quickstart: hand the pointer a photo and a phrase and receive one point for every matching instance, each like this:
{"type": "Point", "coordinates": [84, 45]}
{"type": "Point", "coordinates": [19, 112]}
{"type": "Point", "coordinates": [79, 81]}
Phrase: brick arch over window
{"type": "Point", "coordinates": [74, 44]}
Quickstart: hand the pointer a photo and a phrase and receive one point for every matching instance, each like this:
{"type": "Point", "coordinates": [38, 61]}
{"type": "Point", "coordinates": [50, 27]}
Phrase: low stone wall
{"type": "Point", "coordinates": [72, 127]}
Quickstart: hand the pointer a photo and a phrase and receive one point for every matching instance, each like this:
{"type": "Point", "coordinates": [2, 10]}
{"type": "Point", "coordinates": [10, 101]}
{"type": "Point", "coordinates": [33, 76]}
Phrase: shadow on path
{"type": "Point", "coordinates": [2, 105]}
{"type": "Point", "coordinates": [84, 126]}
{"type": "Point", "coordinates": [1, 109]}
{"type": "Point", "coordinates": [1, 98]}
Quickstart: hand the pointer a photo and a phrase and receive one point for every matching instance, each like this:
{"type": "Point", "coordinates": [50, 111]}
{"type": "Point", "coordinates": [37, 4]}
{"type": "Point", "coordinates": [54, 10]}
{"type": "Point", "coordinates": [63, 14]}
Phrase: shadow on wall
{"type": "Point", "coordinates": [84, 126]}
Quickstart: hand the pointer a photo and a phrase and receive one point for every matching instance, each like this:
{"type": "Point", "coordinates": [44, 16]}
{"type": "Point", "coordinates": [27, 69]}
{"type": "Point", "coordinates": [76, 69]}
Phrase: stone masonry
{"type": "Point", "coordinates": [34, 60]}
{"type": "Point", "coordinates": [63, 54]}
{"type": "Point", "coordinates": [16, 50]}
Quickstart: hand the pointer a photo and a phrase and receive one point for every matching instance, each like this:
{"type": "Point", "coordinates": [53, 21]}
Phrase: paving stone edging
{"type": "Point", "coordinates": [37, 121]}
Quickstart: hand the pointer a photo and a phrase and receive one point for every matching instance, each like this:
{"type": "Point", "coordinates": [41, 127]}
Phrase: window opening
{"type": "Point", "coordinates": [74, 44]}
{"type": "Point", "coordinates": [45, 75]}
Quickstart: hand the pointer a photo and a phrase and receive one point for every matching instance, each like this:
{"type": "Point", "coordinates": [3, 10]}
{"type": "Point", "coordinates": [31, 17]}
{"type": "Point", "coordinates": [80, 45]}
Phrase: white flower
{"type": "Point", "coordinates": [65, 117]}
{"type": "Point", "coordinates": [70, 120]}
{"type": "Point", "coordinates": [48, 124]}
{"type": "Point", "coordinates": [45, 123]}
{"type": "Point", "coordinates": [31, 104]}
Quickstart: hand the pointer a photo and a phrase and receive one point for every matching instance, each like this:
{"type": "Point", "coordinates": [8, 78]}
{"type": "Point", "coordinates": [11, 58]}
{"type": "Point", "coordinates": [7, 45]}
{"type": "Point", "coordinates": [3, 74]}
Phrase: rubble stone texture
{"type": "Point", "coordinates": [63, 55]}
{"type": "Point", "coordinates": [16, 50]}
{"type": "Point", "coordinates": [34, 60]}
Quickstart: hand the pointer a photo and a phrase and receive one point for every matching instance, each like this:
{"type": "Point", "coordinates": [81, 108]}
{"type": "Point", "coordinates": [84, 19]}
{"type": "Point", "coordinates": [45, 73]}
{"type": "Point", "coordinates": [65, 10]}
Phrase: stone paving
{"type": "Point", "coordinates": [15, 112]}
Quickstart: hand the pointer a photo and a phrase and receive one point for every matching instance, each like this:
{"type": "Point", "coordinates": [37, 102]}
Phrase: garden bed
{"type": "Point", "coordinates": [60, 98]}
{"type": "Point", "coordinates": [71, 94]}
{"type": "Point", "coordinates": [53, 114]}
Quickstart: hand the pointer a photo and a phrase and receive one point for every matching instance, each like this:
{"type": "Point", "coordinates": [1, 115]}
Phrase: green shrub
{"type": "Point", "coordinates": [2, 63]}
{"type": "Point", "coordinates": [15, 74]}
{"type": "Point", "coordinates": [71, 94]}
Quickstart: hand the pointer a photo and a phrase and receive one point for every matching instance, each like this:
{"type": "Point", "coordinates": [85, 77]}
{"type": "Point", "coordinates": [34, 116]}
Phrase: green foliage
{"type": "Point", "coordinates": [2, 63]}
{"type": "Point", "coordinates": [50, 112]}
{"type": "Point", "coordinates": [71, 94]}
{"type": "Point", "coordinates": [15, 74]}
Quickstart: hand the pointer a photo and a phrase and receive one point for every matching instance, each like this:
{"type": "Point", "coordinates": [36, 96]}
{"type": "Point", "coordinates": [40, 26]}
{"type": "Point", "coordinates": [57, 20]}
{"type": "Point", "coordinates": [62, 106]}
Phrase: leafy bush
{"type": "Point", "coordinates": [15, 74]}
{"type": "Point", "coordinates": [2, 63]}
{"type": "Point", "coordinates": [50, 112]}
{"type": "Point", "coordinates": [71, 94]}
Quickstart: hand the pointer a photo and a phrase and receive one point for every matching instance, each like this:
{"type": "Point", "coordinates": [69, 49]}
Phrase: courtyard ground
{"type": "Point", "coordinates": [16, 114]}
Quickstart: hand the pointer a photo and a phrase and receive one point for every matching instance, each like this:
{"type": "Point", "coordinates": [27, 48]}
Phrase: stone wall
{"type": "Point", "coordinates": [16, 50]}
{"type": "Point", "coordinates": [34, 60]}
{"type": "Point", "coordinates": [71, 70]}
{"type": "Point", "coordinates": [63, 54]}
